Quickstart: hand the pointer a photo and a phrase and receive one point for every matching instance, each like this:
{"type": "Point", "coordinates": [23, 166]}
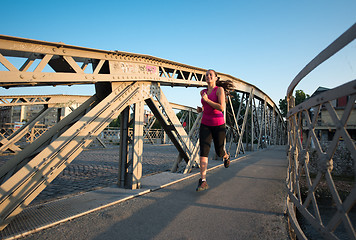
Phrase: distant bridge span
{"type": "Point", "coordinates": [122, 81]}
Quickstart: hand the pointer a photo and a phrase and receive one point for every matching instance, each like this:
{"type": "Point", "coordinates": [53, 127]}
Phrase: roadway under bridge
{"type": "Point", "coordinates": [124, 84]}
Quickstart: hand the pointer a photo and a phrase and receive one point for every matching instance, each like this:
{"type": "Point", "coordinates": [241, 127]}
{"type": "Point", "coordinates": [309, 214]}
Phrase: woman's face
{"type": "Point", "coordinates": [210, 76]}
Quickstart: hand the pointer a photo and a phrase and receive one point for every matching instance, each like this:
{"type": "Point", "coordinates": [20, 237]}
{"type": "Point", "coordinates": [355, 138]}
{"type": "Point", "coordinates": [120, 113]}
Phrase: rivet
{"type": "Point", "coordinates": [34, 76]}
{"type": "Point", "coordinates": [21, 76]}
{"type": "Point", "coordinates": [64, 51]}
{"type": "Point", "coordinates": [53, 49]}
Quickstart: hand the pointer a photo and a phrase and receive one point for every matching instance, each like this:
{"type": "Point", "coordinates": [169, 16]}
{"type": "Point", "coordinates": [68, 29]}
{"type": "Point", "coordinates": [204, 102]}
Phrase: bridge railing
{"type": "Point", "coordinates": [110, 135]}
{"type": "Point", "coordinates": [319, 204]}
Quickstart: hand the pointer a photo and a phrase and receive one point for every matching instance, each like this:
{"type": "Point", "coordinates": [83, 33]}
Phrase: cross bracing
{"type": "Point", "coordinates": [312, 160]}
{"type": "Point", "coordinates": [124, 82]}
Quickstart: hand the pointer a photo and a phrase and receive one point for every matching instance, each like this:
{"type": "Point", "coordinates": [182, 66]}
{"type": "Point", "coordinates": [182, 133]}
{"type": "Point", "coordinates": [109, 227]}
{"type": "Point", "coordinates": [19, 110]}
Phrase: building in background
{"type": "Point", "coordinates": [325, 128]}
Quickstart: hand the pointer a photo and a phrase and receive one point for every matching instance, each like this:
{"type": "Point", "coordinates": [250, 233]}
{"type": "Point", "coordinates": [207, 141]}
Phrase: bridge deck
{"type": "Point", "coordinates": [245, 201]}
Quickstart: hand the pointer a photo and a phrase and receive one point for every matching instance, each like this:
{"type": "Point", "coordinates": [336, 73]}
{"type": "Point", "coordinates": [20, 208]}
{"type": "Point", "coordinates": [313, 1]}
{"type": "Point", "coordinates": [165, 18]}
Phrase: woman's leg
{"type": "Point", "coordinates": [203, 167]}
{"type": "Point", "coordinates": [219, 136]}
{"type": "Point", "coordinates": [205, 138]}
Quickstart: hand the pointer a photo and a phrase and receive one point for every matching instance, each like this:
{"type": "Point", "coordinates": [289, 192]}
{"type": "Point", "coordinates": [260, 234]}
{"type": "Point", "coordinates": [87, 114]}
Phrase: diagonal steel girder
{"type": "Point", "coordinates": [172, 126]}
{"type": "Point", "coordinates": [23, 180]}
{"type": "Point", "coordinates": [9, 142]}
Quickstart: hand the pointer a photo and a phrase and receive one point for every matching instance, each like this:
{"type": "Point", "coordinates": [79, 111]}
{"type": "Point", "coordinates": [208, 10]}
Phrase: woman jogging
{"type": "Point", "coordinates": [212, 125]}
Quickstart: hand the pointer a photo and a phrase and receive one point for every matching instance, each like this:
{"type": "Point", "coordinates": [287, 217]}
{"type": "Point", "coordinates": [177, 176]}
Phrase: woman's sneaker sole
{"type": "Point", "coordinates": [227, 162]}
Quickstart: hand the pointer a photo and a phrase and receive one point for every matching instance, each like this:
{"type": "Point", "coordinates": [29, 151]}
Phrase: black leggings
{"type": "Point", "coordinates": [218, 134]}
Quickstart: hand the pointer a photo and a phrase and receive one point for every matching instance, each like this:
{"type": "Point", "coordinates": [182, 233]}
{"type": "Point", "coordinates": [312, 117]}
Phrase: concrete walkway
{"type": "Point", "coordinates": [245, 201]}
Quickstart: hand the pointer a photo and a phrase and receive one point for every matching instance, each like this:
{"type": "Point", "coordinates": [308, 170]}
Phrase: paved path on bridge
{"type": "Point", "coordinates": [245, 201]}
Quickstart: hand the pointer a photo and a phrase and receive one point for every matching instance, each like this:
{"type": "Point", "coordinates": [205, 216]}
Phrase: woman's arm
{"type": "Point", "coordinates": [220, 105]}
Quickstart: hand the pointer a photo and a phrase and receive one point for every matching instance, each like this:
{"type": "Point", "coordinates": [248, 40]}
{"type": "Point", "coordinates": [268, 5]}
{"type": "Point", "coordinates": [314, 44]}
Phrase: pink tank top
{"type": "Point", "coordinates": [211, 116]}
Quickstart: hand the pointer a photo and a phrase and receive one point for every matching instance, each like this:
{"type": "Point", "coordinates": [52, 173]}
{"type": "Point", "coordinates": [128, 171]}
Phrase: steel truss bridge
{"type": "Point", "coordinates": [124, 82]}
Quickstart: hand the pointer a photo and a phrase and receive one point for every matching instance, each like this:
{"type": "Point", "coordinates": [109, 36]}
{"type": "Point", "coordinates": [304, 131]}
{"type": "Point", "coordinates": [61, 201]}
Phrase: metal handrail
{"type": "Point", "coordinates": [305, 175]}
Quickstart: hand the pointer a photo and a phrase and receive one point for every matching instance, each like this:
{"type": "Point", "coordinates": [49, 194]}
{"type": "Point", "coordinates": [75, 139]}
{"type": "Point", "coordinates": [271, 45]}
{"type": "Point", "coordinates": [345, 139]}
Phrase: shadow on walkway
{"type": "Point", "coordinates": [245, 201]}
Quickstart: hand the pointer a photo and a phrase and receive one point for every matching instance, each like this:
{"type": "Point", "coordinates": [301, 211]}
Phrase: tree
{"type": "Point", "coordinates": [300, 97]}
{"type": "Point", "coordinates": [115, 122]}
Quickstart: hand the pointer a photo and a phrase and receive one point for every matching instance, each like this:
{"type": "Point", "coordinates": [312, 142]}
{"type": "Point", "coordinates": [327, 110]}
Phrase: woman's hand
{"type": "Point", "coordinates": [220, 105]}
{"type": "Point", "coordinates": [204, 97]}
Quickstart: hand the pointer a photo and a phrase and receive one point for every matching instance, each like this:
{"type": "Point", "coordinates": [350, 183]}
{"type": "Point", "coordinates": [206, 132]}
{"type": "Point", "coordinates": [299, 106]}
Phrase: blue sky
{"type": "Point", "coordinates": [265, 43]}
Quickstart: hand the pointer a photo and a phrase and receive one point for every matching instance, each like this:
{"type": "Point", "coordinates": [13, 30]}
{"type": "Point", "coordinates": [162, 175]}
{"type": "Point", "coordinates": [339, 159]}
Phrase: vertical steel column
{"type": "Point", "coordinates": [244, 127]}
{"type": "Point", "coordinates": [252, 125]}
{"type": "Point", "coordinates": [240, 134]}
{"type": "Point", "coordinates": [11, 114]}
{"type": "Point", "coordinates": [124, 138]}
{"type": "Point", "coordinates": [246, 130]}
{"type": "Point", "coordinates": [59, 114]}
{"type": "Point", "coordinates": [274, 126]}
{"type": "Point", "coordinates": [137, 146]}
{"type": "Point", "coordinates": [265, 123]}
{"type": "Point", "coordinates": [22, 113]}
{"type": "Point", "coordinates": [263, 128]}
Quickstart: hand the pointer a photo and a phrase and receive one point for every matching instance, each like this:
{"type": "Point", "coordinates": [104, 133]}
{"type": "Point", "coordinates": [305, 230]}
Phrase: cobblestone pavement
{"type": "Point", "coordinates": [98, 168]}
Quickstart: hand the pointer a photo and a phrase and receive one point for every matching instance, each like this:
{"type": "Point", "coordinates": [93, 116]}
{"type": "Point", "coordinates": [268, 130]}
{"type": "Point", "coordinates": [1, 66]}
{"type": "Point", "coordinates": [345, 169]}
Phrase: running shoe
{"type": "Point", "coordinates": [227, 161]}
{"type": "Point", "coordinates": [202, 185]}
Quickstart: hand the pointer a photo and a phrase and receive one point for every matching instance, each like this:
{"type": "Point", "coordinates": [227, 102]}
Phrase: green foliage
{"type": "Point", "coordinates": [156, 125]}
{"type": "Point", "coordinates": [235, 101]}
{"type": "Point", "coordinates": [115, 123]}
{"type": "Point", "coordinates": [283, 106]}
{"type": "Point", "coordinates": [180, 114]}
{"type": "Point", "coordinates": [300, 96]}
